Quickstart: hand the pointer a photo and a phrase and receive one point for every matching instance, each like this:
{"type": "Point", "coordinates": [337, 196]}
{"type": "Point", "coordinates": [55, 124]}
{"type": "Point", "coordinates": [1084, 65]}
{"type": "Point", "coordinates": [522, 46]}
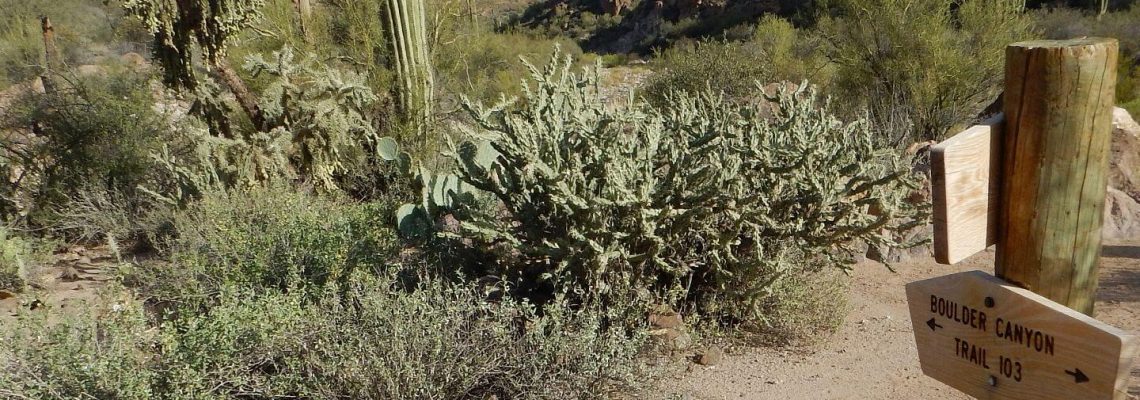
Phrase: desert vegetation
{"type": "Point", "coordinates": [441, 199]}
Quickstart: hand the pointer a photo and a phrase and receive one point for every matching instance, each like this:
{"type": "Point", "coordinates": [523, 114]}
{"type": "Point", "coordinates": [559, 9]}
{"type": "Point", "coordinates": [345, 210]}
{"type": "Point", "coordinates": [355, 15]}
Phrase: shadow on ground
{"type": "Point", "coordinates": [1121, 252]}
{"type": "Point", "coordinates": [1120, 286]}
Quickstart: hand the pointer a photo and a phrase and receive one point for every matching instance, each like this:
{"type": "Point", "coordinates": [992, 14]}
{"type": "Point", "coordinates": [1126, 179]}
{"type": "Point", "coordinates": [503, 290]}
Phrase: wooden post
{"type": "Point", "coordinates": [50, 53]}
{"type": "Point", "coordinates": [1058, 125]}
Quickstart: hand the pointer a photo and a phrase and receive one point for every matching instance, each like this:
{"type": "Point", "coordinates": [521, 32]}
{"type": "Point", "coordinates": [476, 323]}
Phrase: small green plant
{"type": "Point", "coordinates": [15, 254]}
{"type": "Point", "coordinates": [776, 51]}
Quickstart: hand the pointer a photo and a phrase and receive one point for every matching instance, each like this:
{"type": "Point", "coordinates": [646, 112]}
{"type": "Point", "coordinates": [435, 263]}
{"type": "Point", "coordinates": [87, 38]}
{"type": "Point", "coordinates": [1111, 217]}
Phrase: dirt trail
{"type": "Point", "coordinates": [873, 354]}
{"type": "Point", "coordinates": [70, 279]}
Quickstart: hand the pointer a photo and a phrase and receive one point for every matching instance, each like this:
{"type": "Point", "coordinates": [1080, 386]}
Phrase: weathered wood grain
{"type": "Point", "coordinates": [965, 179]}
{"type": "Point", "coordinates": [1079, 357]}
{"type": "Point", "coordinates": [1059, 97]}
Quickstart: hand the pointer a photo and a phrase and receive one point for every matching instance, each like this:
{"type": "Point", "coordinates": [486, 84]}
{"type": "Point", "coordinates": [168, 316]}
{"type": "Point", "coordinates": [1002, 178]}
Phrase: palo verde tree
{"type": "Point", "coordinates": [923, 66]}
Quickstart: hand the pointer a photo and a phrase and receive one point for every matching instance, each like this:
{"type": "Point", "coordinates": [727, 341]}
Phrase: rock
{"type": "Point", "coordinates": [887, 255]}
{"type": "Point", "coordinates": [672, 339]}
{"type": "Point", "coordinates": [133, 59]}
{"type": "Point", "coordinates": [1122, 213]}
{"type": "Point", "coordinates": [680, 340]}
{"type": "Point", "coordinates": [711, 357]}
{"type": "Point", "coordinates": [69, 274]}
{"type": "Point", "coordinates": [666, 320]}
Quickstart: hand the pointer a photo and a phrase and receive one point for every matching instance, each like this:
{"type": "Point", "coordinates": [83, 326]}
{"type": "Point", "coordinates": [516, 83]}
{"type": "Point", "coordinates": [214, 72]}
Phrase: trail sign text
{"type": "Point", "coordinates": [992, 340]}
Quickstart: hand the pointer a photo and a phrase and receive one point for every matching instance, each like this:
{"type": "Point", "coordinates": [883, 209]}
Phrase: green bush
{"type": "Point", "coordinates": [374, 337]}
{"type": "Point", "coordinates": [482, 64]}
{"type": "Point", "coordinates": [85, 33]}
{"type": "Point", "coordinates": [921, 67]}
{"type": "Point", "coordinates": [706, 201]}
{"type": "Point", "coordinates": [727, 67]}
{"type": "Point", "coordinates": [269, 239]}
{"type": "Point", "coordinates": [107, 354]}
{"type": "Point", "coordinates": [94, 136]}
{"type": "Point", "coordinates": [1066, 23]}
{"type": "Point", "coordinates": [776, 51]}
{"type": "Point", "coordinates": [21, 52]}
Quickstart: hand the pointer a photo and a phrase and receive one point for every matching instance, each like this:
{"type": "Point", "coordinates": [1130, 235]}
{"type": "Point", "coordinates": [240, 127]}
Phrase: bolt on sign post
{"type": "Point", "coordinates": [1032, 181]}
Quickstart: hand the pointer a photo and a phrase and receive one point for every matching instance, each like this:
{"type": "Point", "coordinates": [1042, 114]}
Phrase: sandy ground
{"type": "Point", "coordinates": [873, 354]}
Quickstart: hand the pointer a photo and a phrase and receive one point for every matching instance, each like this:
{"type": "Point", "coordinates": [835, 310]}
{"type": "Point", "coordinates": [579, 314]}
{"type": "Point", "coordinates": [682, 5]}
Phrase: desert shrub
{"type": "Point", "coordinates": [922, 66]}
{"type": "Point", "coordinates": [84, 31]}
{"type": "Point", "coordinates": [723, 66]}
{"type": "Point", "coordinates": [707, 201]}
{"type": "Point", "coordinates": [106, 355]}
{"type": "Point", "coordinates": [21, 52]}
{"type": "Point", "coordinates": [269, 238]}
{"type": "Point", "coordinates": [474, 60]}
{"type": "Point", "coordinates": [775, 51]}
{"type": "Point", "coordinates": [374, 338]}
{"type": "Point", "coordinates": [1124, 25]}
{"type": "Point", "coordinates": [92, 138]}
{"type": "Point", "coordinates": [1068, 23]}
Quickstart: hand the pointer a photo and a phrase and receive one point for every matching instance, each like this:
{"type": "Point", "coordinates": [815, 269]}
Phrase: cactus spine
{"type": "Point", "coordinates": [406, 26]}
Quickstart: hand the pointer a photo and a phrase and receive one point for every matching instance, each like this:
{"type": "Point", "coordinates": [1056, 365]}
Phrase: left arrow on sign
{"type": "Point", "coordinates": [933, 324]}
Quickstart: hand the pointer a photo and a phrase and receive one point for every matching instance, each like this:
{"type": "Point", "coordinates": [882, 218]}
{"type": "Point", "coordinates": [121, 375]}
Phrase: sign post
{"type": "Point", "coordinates": [1033, 182]}
{"type": "Point", "coordinates": [1058, 105]}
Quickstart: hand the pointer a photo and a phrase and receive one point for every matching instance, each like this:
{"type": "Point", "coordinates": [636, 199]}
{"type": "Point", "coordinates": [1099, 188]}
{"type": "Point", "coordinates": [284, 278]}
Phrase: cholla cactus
{"type": "Point", "coordinates": [180, 24]}
{"type": "Point", "coordinates": [707, 197]}
{"type": "Point", "coordinates": [320, 131]}
{"type": "Point", "coordinates": [406, 24]}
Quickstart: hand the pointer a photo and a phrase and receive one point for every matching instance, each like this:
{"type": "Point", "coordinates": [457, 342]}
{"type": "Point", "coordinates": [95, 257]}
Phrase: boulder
{"type": "Point", "coordinates": [615, 7]}
{"type": "Point", "coordinates": [1122, 202]}
{"type": "Point", "coordinates": [134, 60]}
{"type": "Point", "coordinates": [1121, 215]}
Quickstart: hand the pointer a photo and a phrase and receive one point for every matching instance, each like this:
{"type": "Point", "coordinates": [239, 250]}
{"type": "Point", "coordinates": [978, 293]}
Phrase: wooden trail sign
{"type": "Point", "coordinates": [993, 340]}
{"type": "Point", "coordinates": [965, 184]}
{"type": "Point", "coordinates": [1033, 183]}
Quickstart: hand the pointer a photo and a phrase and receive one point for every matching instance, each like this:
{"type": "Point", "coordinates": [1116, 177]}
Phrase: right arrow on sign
{"type": "Point", "coordinates": [1079, 376]}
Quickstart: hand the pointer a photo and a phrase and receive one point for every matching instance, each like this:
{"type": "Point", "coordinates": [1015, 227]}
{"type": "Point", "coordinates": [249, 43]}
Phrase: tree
{"type": "Point", "coordinates": [922, 66]}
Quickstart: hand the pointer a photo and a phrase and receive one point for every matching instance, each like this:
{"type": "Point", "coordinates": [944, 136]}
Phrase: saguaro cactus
{"type": "Point", "coordinates": [406, 26]}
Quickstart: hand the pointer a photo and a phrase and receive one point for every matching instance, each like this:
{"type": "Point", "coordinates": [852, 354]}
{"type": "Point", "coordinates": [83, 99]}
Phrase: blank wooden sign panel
{"type": "Point", "coordinates": [992, 340]}
{"type": "Point", "coordinates": [966, 180]}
